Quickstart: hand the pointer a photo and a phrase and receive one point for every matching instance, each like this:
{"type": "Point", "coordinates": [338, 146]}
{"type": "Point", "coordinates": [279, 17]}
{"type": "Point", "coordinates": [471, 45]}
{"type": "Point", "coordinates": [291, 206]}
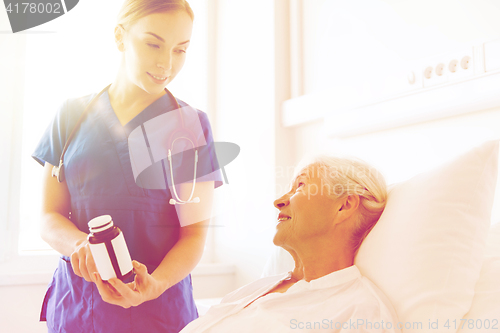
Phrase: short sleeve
{"type": "Point", "coordinates": [51, 144]}
{"type": "Point", "coordinates": [54, 138]}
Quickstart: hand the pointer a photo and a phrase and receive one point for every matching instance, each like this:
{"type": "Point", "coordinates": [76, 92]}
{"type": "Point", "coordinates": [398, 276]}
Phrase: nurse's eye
{"type": "Point", "coordinates": [299, 185]}
{"type": "Point", "coordinates": [180, 51]}
{"type": "Point", "coordinates": [154, 46]}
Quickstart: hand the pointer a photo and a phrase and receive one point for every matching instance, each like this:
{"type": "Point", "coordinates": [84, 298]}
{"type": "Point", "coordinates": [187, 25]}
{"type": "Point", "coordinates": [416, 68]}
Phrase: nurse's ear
{"type": "Point", "coordinates": [119, 34]}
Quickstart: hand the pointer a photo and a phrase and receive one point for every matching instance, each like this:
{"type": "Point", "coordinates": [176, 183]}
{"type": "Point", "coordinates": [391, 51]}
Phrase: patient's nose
{"type": "Point", "coordinates": [281, 202]}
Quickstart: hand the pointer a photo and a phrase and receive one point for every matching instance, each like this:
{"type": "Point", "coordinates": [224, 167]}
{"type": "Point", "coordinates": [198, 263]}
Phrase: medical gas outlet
{"type": "Point", "coordinates": [447, 68]}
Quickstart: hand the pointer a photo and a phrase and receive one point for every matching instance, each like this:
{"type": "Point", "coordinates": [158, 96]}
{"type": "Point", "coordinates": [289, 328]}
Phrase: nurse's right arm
{"type": "Point", "coordinates": [58, 231]}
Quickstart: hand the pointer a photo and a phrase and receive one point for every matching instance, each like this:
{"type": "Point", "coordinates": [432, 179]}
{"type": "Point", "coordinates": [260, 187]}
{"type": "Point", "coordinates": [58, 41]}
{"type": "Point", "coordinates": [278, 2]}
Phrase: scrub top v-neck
{"type": "Point", "coordinates": [100, 181]}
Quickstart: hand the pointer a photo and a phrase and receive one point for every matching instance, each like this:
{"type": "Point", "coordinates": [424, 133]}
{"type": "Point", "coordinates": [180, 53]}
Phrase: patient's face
{"type": "Point", "coordinates": [307, 212]}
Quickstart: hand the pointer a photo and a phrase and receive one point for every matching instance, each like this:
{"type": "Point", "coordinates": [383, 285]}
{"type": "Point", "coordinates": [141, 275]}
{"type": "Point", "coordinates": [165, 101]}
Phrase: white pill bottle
{"type": "Point", "coordinates": [109, 249]}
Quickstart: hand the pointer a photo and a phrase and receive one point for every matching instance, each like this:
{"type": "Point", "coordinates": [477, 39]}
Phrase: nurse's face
{"type": "Point", "coordinates": [154, 48]}
{"type": "Point", "coordinates": [305, 213]}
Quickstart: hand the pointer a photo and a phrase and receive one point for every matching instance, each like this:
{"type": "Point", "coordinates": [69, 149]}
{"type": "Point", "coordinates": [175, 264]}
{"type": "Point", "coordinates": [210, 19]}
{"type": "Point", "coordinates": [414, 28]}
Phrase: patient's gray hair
{"type": "Point", "coordinates": [343, 176]}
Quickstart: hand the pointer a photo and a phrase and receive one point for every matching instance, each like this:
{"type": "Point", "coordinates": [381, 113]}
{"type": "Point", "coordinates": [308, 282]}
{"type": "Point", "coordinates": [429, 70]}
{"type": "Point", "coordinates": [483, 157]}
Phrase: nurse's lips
{"type": "Point", "coordinates": [159, 78]}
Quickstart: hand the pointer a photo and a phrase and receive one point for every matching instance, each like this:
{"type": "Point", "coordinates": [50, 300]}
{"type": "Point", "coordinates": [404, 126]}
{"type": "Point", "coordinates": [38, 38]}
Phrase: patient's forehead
{"type": "Point", "coordinates": [308, 172]}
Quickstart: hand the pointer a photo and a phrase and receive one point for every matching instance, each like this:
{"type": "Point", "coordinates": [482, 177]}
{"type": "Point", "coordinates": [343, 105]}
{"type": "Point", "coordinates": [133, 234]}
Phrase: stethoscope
{"type": "Point", "coordinates": [58, 171]}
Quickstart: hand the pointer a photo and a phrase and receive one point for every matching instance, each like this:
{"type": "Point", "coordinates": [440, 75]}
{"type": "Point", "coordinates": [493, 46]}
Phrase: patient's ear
{"type": "Point", "coordinates": [347, 207]}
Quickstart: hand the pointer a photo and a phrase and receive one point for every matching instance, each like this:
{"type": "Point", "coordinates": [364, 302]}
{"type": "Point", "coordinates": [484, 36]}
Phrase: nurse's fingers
{"type": "Point", "coordinates": [90, 263]}
{"type": "Point", "coordinates": [139, 269]}
{"type": "Point", "coordinates": [75, 263]}
{"type": "Point", "coordinates": [79, 266]}
{"type": "Point", "coordinates": [108, 293]}
{"type": "Point", "coordinates": [79, 262]}
{"type": "Point", "coordinates": [125, 291]}
{"type": "Point", "coordinates": [83, 253]}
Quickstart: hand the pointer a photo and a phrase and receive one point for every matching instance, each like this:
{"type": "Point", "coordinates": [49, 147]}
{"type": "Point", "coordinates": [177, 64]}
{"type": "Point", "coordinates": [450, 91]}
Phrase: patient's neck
{"type": "Point", "coordinates": [321, 258]}
{"type": "Point", "coordinates": [298, 271]}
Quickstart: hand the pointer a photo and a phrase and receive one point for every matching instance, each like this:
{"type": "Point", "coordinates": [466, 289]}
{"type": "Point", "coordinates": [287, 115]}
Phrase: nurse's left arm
{"type": "Point", "coordinates": [179, 261]}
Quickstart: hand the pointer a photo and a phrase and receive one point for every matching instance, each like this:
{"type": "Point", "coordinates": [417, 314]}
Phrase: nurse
{"type": "Point", "coordinates": [152, 36]}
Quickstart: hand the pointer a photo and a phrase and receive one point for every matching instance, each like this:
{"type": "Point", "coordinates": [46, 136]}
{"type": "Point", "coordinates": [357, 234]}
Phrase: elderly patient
{"type": "Point", "coordinates": [332, 205]}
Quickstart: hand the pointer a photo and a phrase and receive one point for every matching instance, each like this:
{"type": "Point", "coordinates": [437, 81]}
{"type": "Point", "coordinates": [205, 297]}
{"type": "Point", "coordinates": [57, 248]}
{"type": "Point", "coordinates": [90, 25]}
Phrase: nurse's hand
{"type": "Point", "coordinates": [144, 288]}
{"type": "Point", "coordinates": [82, 261]}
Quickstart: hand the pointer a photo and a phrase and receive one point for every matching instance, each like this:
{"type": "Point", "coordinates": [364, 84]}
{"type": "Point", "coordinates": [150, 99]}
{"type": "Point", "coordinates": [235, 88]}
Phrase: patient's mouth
{"type": "Point", "coordinates": [283, 217]}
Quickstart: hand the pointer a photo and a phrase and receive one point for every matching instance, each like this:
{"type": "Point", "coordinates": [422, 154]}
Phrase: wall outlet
{"type": "Point", "coordinates": [448, 67]}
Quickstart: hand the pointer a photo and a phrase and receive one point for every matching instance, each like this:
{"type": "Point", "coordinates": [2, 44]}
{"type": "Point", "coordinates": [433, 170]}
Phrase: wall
{"type": "Point", "coordinates": [19, 305]}
{"type": "Point", "coordinates": [245, 115]}
{"type": "Point", "coordinates": [363, 50]}
{"type": "Point", "coordinates": [20, 308]}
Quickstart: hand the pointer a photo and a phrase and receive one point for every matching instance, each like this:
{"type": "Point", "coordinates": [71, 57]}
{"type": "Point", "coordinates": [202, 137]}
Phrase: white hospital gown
{"type": "Point", "coordinates": [342, 301]}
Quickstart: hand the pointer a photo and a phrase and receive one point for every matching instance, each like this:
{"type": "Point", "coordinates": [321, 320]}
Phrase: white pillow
{"type": "Point", "coordinates": [425, 252]}
{"type": "Point", "coordinates": [484, 314]}
{"type": "Point", "coordinates": [493, 241]}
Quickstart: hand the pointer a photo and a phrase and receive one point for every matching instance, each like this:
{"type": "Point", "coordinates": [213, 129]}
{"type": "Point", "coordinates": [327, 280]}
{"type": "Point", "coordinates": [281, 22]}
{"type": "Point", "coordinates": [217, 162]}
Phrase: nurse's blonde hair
{"type": "Point", "coordinates": [133, 10]}
{"type": "Point", "coordinates": [343, 176]}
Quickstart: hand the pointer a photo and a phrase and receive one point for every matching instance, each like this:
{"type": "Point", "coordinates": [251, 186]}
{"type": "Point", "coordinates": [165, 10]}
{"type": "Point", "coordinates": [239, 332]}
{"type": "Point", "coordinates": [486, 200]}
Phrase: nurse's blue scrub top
{"type": "Point", "coordinates": [100, 182]}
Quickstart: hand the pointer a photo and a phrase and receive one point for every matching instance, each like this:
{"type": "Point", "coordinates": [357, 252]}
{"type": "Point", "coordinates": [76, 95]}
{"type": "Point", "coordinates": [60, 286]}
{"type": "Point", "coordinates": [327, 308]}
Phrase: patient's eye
{"type": "Point", "coordinates": [299, 185]}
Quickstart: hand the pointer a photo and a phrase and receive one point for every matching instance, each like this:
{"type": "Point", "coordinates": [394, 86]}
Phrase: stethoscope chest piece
{"type": "Point", "coordinates": [58, 172]}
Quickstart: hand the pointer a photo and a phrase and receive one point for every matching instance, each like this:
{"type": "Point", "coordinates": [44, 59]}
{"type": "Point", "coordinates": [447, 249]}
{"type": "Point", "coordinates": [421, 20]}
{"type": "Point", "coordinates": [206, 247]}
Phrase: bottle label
{"type": "Point", "coordinates": [112, 258]}
{"type": "Point", "coordinates": [102, 261]}
{"type": "Point", "coordinates": [122, 254]}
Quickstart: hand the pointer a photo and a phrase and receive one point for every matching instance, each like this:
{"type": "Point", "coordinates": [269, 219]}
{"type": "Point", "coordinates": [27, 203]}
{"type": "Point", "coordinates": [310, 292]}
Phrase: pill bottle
{"type": "Point", "coordinates": [109, 249]}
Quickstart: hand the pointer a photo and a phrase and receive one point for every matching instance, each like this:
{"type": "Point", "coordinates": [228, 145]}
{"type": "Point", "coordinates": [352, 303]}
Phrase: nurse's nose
{"type": "Point", "coordinates": [166, 64]}
{"type": "Point", "coordinates": [283, 201]}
